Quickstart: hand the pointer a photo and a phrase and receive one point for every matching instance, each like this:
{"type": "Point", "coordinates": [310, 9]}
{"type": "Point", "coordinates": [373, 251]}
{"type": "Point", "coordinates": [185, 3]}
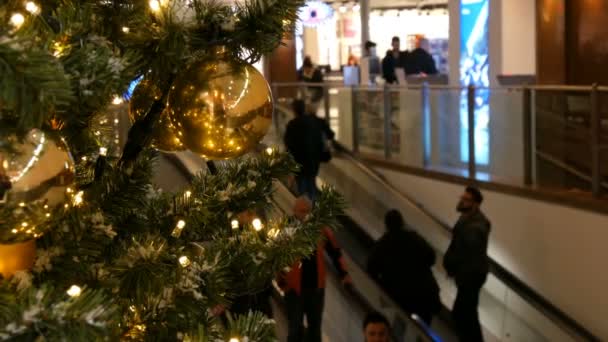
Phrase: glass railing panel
{"type": "Point", "coordinates": [447, 132]}
{"type": "Point", "coordinates": [506, 153]}
{"type": "Point", "coordinates": [561, 133]}
{"type": "Point", "coordinates": [408, 127]}
{"type": "Point", "coordinates": [368, 111]}
{"type": "Point", "coordinates": [503, 312]}
{"type": "Point", "coordinates": [340, 113]}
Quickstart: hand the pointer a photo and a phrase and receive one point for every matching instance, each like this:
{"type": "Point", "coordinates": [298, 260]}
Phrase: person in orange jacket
{"type": "Point", "coordinates": [304, 284]}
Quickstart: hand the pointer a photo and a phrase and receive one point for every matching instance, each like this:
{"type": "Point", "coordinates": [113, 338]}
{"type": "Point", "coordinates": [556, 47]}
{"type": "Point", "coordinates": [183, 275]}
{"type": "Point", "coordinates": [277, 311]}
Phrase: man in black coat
{"type": "Point", "coordinates": [401, 263]}
{"type": "Point", "coordinates": [394, 58]}
{"type": "Point", "coordinates": [466, 261]}
{"type": "Point", "coordinates": [421, 60]}
{"type": "Point", "coordinates": [305, 140]}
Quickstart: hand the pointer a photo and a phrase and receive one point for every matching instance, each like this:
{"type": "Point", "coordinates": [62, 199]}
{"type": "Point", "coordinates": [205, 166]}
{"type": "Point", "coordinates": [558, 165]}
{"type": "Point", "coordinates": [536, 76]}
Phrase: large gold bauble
{"type": "Point", "coordinates": [17, 257]}
{"type": "Point", "coordinates": [163, 136]}
{"type": "Point", "coordinates": [220, 111]}
{"type": "Point", "coordinates": [35, 174]}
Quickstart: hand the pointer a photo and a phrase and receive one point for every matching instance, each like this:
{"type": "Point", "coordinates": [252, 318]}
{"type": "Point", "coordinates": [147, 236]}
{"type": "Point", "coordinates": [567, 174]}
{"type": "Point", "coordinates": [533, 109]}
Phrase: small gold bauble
{"type": "Point", "coordinates": [220, 111]}
{"type": "Point", "coordinates": [16, 257]}
{"type": "Point", "coordinates": [163, 136]}
{"type": "Point", "coordinates": [35, 176]}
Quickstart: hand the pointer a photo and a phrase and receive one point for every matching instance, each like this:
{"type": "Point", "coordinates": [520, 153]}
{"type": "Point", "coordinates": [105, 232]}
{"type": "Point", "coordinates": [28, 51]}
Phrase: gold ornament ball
{"type": "Point", "coordinates": [163, 136]}
{"type": "Point", "coordinates": [17, 257]}
{"type": "Point", "coordinates": [35, 174]}
{"type": "Point", "coordinates": [220, 111]}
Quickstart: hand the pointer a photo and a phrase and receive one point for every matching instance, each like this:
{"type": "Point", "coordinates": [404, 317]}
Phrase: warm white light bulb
{"type": "Point", "coordinates": [273, 233]}
{"type": "Point", "coordinates": [17, 19]}
{"type": "Point", "coordinates": [234, 224]}
{"type": "Point", "coordinates": [125, 29]}
{"type": "Point", "coordinates": [188, 193]}
{"type": "Point", "coordinates": [184, 261]}
{"type": "Point", "coordinates": [269, 151]}
{"type": "Point", "coordinates": [179, 226]}
{"type": "Point", "coordinates": [78, 198]}
{"type": "Point", "coordinates": [257, 224]}
{"type": "Point", "coordinates": [103, 151]}
{"type": "Point", "coordinates": [74, 291]}
{"type": "Point", "coordinates": [117, 100]}
{"type": "Point", "coordinates": [32, 7]}
{"type": "Point", "coordinates": [154, 5]}
{"type": "Point", "coordinates": [234, 339]}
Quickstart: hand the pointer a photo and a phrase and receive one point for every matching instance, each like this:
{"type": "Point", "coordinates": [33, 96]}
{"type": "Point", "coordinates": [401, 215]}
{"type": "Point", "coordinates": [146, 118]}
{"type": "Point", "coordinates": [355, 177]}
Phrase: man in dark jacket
{"type": "Point", "coordinates": [305, 141]}
{"type": "Point", "coordinates": [401, 262]}
{"type": "Point", "coordinates": [394, 58]}
{"type": "Point", "coordinates": [422, 63]}
{"type": "Point", "coordinates": [466, 261]}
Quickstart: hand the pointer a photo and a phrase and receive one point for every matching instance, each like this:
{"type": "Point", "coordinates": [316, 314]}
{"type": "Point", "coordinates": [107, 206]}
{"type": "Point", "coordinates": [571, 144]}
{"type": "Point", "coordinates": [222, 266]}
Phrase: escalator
{"type": "Point", "coordinates": [509, 309]}
{"type": "Point", "coordinates": [344, 309]}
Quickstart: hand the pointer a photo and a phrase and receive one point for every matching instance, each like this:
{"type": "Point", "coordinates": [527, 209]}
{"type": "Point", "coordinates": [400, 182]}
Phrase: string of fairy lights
{"type": "Point", "coordinates": [76, 198]}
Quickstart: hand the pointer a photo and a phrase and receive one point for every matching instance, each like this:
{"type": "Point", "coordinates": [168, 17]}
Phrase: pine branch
{"type": "Point", "coordinates": [33, 85]}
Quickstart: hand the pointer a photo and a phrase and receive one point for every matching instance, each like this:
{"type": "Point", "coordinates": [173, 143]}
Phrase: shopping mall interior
{"type": "Point", "coordinates": [539, 112]}
{"type": "Point", "coordinates": [499, 150]}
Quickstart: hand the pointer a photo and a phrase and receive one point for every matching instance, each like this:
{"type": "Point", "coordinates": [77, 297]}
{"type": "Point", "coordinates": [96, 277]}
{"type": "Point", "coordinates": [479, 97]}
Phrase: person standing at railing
{"type": "Point", "coordinates": [466, 261]}
{"type": "Point", "coordinates": [422, 63]}
{"type": "Point", "coordinates": [304, 283]}
{"type": "Point", "coordinates": [311, 74]}
{"type": "Point", "coordinates": [306, 138]}
{"type": "Point", "coordinates": [401, 263]}
{"type": "Point", "coordinates": [395, 58]}
{"type": "Point", "coordinates": [370, 63]}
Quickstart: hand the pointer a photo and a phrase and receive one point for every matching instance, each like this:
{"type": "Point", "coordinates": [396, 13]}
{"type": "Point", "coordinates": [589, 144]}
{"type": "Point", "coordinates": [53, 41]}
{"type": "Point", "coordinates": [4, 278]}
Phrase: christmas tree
{"type": "Point", "coordinates": [89, 248]}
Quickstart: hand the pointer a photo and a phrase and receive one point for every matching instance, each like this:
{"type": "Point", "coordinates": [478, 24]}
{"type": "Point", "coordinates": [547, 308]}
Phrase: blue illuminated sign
{"type": "Point", "coordinates": [127, 95]}
{"type": "Point", "coordinates": [474, 65]}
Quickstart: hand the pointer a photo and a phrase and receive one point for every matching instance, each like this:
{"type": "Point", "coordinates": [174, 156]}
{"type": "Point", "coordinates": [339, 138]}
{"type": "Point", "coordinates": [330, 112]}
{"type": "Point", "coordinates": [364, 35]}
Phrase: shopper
{"type": "Point", "coordinates": [304, 284]}
{"type": "Point", "coordinates": [372, 59]}
{"type": "Point", "coordinates": [422, 63]}
{"type": "Point", "coordinates": [311, 74]}
{"type": "Point", "coordinates": [401, 263]}
{"type": "Point", "coordinates": [395, 58]}
{"type": "Point", "coordinates": [466, 261]}
{"type": "Point", "coordinates": [376, 328]}
{"type": "Point", "coordinates": [305, 139]}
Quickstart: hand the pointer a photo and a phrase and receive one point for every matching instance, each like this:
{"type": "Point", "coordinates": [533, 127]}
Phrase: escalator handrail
{"type": "Point", "coordinates": [428, 333]}
{"type": "Point", "coordinates": [509, 279]}
{"type": "Point", "coordinates": [352, 291]}
{"type": "Point", "coordinates": [565, 167]}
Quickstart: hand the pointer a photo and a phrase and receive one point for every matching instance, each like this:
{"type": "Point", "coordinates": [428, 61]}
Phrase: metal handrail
{"type": "Point", "coordinates": [571, 170]}
{"type": "Point", "coordinates": [363, 302]}
{"type": "Point", "coordinates": [548, 87]}
{"type": "Point", "coordinates": [426, 331]}
{"type": "Point", "coordinates": [508, 278]}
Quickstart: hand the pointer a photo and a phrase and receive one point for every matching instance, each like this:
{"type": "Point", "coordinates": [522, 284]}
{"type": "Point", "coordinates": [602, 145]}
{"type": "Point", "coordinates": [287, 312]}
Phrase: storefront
{"type": "Point", "coordinates": [330, 33]}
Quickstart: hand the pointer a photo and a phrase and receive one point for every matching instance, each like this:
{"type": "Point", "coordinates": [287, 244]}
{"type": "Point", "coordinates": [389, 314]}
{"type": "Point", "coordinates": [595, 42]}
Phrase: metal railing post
{"type": "Point", "coordinates": [595, 127]}
{"type": "Point", "coordinates": [426, 125]}
{"type": "Point", "coordinates": [527, 136]}
{"type": "Point", "coordinates": [275, 112]}
{"type": "Point", "coordinates": [387, 123]}
{"type": "Point", "coordinates": [355, 119]}
{"type": "Point", "coordinates": [471, 130]}
{"type": "Point", "coordinates": [326, 102]}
